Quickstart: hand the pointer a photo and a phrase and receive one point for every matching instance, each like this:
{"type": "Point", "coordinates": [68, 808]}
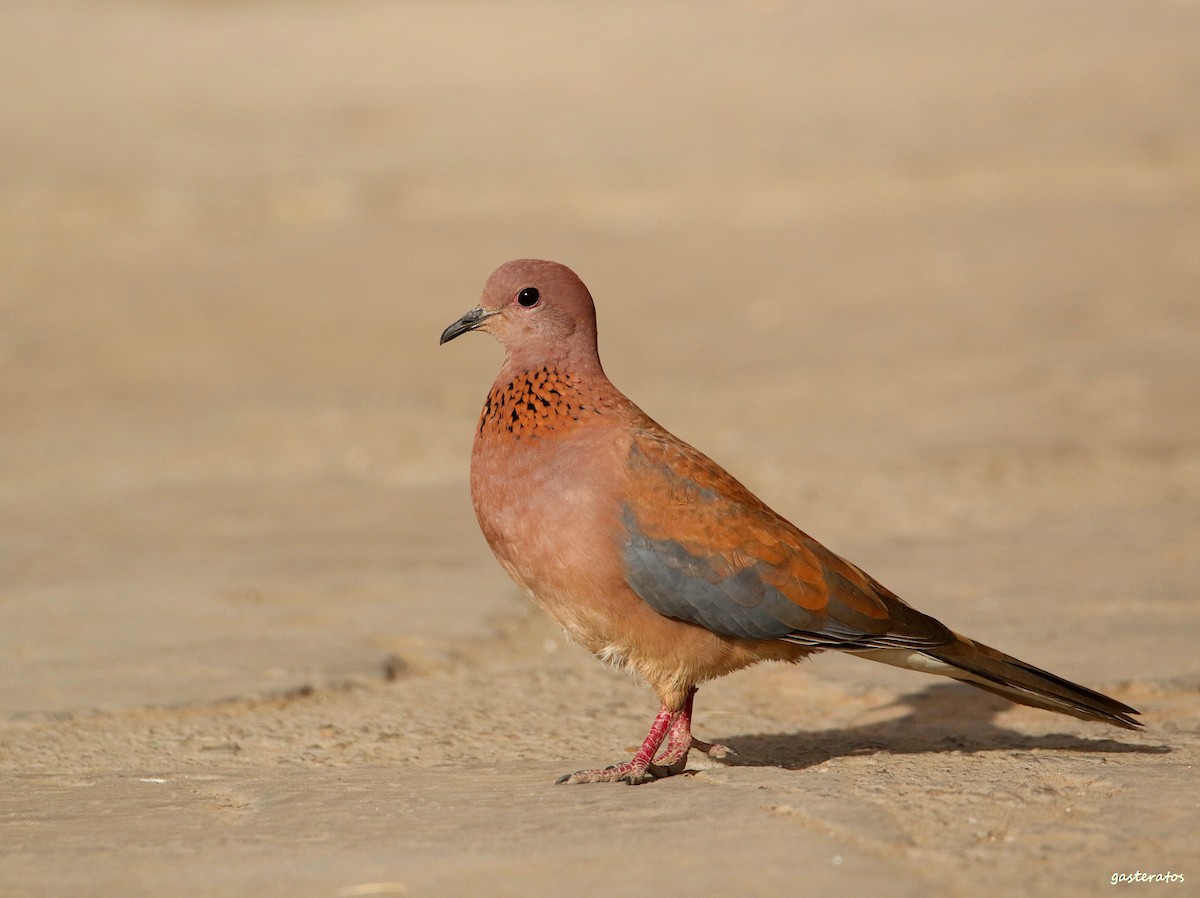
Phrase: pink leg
{"type": "Point", "coordinates": [637, 770]}
{"type": "Point", "coordinates": [680, 741]}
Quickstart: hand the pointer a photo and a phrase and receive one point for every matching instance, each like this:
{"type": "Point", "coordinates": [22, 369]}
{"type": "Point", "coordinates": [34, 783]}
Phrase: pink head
{"type": "Point", "coordinates": [539, 311]}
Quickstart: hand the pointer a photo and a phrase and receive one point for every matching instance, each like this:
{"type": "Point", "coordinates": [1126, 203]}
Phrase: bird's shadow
{"type": "Point", "coordinates": [941, 718]}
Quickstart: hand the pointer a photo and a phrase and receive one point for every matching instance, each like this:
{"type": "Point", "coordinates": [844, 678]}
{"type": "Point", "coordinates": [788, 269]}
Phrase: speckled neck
{"type": "Point", "coordinates": [542, 402]}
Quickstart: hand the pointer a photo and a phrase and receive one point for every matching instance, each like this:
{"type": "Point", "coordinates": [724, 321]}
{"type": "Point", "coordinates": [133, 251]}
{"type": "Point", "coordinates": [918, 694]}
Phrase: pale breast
{"type": "Point", "coordinates": [544, 474]}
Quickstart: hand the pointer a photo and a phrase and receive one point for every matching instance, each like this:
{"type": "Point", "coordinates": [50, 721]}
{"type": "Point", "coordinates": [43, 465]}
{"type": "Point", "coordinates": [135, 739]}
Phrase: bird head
{"type": "Point", "coordinates": [539, 311]}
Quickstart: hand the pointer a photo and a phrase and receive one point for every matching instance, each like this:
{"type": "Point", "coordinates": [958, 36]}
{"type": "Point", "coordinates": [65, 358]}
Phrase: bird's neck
{"type": "Point", "coordinates": [544, 401]}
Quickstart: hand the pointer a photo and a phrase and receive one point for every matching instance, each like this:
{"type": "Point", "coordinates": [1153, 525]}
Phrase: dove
{"type": "Point", "coordinates": [654, 558]}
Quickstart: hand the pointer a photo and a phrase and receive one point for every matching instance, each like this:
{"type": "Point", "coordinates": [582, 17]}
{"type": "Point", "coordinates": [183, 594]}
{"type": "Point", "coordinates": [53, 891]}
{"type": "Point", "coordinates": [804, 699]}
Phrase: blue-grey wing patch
{"type": "Point", "coordinates": [699, 547]}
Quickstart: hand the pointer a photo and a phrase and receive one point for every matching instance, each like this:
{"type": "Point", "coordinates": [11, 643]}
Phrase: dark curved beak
{"type": "Point", "coordinates": [468, 322]}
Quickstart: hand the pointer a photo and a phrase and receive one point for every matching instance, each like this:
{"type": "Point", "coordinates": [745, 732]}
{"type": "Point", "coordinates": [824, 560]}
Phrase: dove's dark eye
{"type": "Point", "coordinates": [529, 297]}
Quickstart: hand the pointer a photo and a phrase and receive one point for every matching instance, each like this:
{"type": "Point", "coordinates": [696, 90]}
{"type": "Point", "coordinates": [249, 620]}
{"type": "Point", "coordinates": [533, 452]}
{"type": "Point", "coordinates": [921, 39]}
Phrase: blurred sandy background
{"type": "Point", "coordinates": [926, 276]}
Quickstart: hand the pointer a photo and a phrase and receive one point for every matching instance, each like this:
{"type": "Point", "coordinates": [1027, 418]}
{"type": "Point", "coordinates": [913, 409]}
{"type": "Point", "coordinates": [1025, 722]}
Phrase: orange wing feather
{"type": "Point", "coordinates": [704, 548]}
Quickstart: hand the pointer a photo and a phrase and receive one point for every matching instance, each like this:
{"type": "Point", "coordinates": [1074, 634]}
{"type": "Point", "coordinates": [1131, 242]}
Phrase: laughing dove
{"type": "Point", "coordinates": [654, 558]}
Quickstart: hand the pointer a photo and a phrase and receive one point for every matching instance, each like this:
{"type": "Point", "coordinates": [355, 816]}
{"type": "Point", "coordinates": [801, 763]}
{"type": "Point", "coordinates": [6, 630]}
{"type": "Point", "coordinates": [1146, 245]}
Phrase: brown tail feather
{"type": "Point", "coordinates": [985, 667]}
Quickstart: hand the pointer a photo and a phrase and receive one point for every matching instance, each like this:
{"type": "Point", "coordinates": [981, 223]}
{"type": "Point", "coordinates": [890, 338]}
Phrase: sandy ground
{"type": "Point", "coordinates": [926, 276]}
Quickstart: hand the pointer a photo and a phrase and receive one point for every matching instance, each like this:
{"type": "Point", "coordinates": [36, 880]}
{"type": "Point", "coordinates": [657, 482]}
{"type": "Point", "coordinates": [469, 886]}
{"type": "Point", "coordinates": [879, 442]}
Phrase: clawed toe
{"type": "Point", "coordinates": [673, 726]}
{"type": "Point", "coordinates": [634, 778]}
{"type": "Point", "coordinates": [714, 750]}
{"type": "Point", "coordinates": [629, 773]}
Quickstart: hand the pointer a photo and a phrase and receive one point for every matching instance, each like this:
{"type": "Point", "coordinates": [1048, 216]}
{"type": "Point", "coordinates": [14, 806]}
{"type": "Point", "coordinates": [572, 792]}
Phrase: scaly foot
{"type": "Point", "coordinates": [637, 771]}
{"type": "Point", "coordinates": [680, 741]}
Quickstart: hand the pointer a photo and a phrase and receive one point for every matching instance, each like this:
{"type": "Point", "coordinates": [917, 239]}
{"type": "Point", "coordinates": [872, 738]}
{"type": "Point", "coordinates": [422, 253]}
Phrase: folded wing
{"type": "Point", "coordinates": [702, 548]}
